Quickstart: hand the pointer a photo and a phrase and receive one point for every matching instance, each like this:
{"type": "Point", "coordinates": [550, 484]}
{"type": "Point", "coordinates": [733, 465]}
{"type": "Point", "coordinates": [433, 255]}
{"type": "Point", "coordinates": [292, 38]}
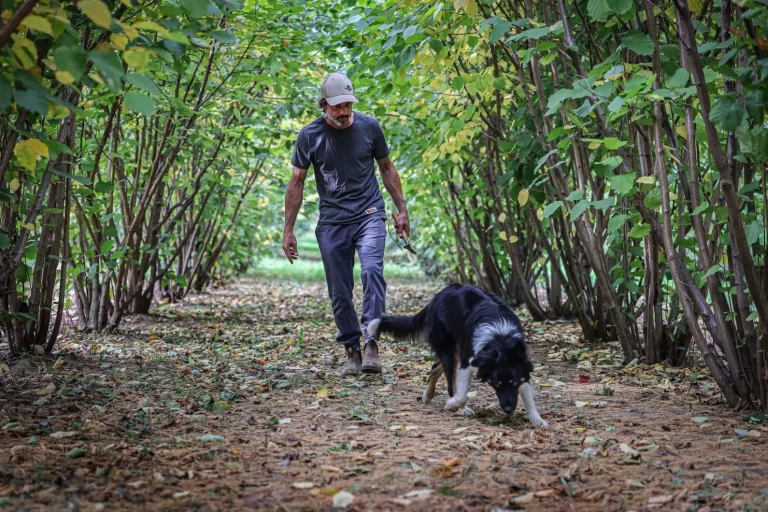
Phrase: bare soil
{"type": "Point", "coordinates": [231, 400]}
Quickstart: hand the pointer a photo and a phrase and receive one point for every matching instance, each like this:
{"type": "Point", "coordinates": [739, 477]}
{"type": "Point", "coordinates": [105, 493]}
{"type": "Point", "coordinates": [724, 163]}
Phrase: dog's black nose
{"type": "Point", "coordinates": [508, 408]}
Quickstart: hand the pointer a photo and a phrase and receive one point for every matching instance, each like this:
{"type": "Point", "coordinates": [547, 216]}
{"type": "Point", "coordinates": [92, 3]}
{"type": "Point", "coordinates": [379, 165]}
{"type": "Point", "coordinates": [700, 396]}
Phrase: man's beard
{"type": "Point", "coordinates": [339, 122]}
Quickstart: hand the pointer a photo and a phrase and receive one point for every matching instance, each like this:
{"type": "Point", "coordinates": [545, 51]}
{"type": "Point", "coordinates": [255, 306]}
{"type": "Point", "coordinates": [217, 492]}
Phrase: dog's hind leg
{"type": "Point", "coordinates": [448, 363]}
{"type": "Point", "coordinates": [434, 376]}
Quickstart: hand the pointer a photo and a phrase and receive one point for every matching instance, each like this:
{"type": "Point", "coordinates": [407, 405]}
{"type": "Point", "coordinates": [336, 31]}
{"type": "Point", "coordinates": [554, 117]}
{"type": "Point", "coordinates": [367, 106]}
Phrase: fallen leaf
{"type": "Point", "coordinates": [58, 364]}
{"type": "Point", "coordinates": [322, 393]}
{"type": "Point", "coordinates": [700, 419]}
{"type": "Point", "coordinates": [181, 494]}
{"type": "Point", "coordinates": [629, 451]}
{"type": "Point", "coordinates": [332, 469]}
{"type": "Point", "coordinates": [303, 485]}
{"type": "Point", "coordinates": [342, 499]}
{"type": "Point", "coordinates": [62, 435]}
{"type": "Point", "coordinates": [754, 433]}
{"type": "Point", "coordinates": [546, 493]}
{"type": "Point", "coordinates": [210, 437]}
{"type": "Point", "coordinates": [450, 462]}
{"type": "Point", "coordinates": [47, 390]}
{"type": "Point", "coordinates": [75, 453]}
{"type": "Point", "coordinates": [284, 421]}
{"type": "Point", "coordinates": [136, 484]}
{"type": "Point", "coordinates": [661, 500]}
{"type": "Point", "coordinates": [525, 498]}
{"type": "Point", "coordinates": [419, 494]}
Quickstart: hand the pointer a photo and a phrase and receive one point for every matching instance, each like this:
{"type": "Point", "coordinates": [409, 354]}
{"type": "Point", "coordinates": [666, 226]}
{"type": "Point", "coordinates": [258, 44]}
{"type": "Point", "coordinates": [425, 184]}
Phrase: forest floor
{"type": "Point", "coordinates": [231, 400]}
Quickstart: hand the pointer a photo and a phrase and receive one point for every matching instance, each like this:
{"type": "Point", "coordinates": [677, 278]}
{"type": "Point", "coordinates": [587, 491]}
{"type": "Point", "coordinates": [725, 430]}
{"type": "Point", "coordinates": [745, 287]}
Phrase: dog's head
{"type": "Point", "coordinates": [503, 363]}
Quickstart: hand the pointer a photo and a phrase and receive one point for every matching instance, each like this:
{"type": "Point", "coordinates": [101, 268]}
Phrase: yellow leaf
{"type": "Point", "coordinates": [672, 196]}
{"type": "Point", "coordinates": [28, 227]}
{"type": "Point", "coordinates": [513, 239]}
{"type": "Point", "coordinates": [151, 26]}
{"type": "Point", "coordinates": [97, 11]}
{"type": "Point", "coordinates": [14, 185]}
{"type": "Point", "coordinates": [459, 4]}
{"type": "Point", "coordinates": [522, 197]}
{"type": "Point", "coordinates": [648, 180]}
{"type": "Point", "coordinates": [64, 77]}
{"type": "Point", "coordinates": [128, 3]}
{"type": "Point", "coordinates": [502, 217]}
{"type": "Point", "coordinates": [503, 235]}
{"type": "Point", "coordinates": [24, 50]}
{"type": "Point", "coordinates": [540, 214]}
{"type": "Point", "coordinates": [323, 393]}
{"type": "Point", "coordinates": [682, 131]}
{"type": "Point", "coordinates": [6, 15]}
{"type": "Point", "coordinates": [137, 58]}
{"type": "Point", "coordinates": [128, 30]}
{"type": "Point", "coordinates": [38, 23]}
{"type": "Point", "coordinates": [119, 40]}
{"type": "Point", "coordinates": [595, 144]}
{"type": "Point", "coordinates": [542, 260]}
{"type": "Point", "coordinates": [27, 151]}
{"type": "Point", "coordinates": [57, 111]}
{"type": "Point", "coordinates": [694, 6]}
{"type": "Point", "coordinates": [471, 7]}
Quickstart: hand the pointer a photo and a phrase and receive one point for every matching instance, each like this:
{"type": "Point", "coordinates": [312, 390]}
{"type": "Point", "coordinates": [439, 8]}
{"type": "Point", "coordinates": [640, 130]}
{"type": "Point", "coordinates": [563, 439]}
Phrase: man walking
{"type": "Point", "coordinates": [341, 145]}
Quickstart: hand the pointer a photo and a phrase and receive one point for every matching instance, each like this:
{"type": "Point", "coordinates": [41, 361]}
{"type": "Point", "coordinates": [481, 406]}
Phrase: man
{"type": "Point", "coordinates": [341, 145]}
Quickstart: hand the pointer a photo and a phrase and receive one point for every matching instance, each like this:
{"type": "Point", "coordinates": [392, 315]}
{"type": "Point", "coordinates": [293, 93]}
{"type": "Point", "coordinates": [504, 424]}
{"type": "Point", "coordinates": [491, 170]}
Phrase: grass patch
{"type": "Point", "coordinates": [309, 266]}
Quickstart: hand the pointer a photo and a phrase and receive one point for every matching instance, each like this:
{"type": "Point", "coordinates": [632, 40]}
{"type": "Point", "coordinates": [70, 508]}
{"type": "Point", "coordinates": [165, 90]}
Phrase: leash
{"type": "Point", "coordinates": [407, 242]}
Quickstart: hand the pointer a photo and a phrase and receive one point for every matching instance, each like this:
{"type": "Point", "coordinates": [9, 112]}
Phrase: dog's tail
{"type": "Point", "coordinates": [404, 328]}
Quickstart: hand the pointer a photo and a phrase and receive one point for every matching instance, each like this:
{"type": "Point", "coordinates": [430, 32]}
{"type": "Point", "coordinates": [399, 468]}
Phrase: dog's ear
{"type": "Point", "coordinates": [485, 357]}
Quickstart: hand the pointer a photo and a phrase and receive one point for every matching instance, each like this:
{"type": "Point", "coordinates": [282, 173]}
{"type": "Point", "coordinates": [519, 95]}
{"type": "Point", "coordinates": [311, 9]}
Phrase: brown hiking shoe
{"type": "Point", "coordinates": [371, 363]}
{"type": "Point", "coordinates": [354, 361]}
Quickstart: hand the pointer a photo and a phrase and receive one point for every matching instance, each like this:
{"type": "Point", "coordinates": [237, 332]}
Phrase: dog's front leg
{"type": "Point", "coordinates": [530, 406]}
{"type": "Point", "coordinates": [459, 398]}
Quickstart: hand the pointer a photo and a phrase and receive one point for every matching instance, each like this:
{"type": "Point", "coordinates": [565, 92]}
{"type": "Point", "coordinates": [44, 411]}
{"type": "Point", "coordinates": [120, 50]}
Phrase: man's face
{"type": "Point", "coordinates": [340, 113]}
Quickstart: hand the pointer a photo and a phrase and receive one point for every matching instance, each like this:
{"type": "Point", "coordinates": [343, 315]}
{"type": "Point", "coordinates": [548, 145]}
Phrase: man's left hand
{"type": "Point", "coordinates": [402, 226]}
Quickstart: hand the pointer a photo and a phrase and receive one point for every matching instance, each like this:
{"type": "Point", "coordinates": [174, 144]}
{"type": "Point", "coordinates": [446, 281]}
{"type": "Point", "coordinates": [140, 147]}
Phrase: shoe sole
{"type": "Point", "coordinates": [371, 369]}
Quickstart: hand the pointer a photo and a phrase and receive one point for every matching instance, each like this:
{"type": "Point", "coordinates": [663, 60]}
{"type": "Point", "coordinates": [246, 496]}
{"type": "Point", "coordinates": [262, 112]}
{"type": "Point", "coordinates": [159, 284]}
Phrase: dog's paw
{"type": "Point", "coordinates": [538, 421]}
{"type": "Point", "coordinates": [426, 397]}
{"type": "Point", "coordinates": [453, 403]}
{"type": "Point", "coordinates": [467, 411]}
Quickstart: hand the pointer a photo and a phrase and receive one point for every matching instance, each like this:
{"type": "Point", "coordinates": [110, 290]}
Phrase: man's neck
{"type": "Point", "coordinates": [336, 124]}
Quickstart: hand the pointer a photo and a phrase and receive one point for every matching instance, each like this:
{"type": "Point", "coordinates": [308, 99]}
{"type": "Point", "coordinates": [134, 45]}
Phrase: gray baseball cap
{"type": "Point", "coordinates": [337, 89]}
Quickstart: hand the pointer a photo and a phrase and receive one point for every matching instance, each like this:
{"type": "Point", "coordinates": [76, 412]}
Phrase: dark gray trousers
{"type": "Point", "coordinates": [337, 248]}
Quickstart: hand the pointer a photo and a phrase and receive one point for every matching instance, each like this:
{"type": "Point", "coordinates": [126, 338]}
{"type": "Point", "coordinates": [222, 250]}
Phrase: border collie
{"type": "Point", "coordinates": [471, 332]}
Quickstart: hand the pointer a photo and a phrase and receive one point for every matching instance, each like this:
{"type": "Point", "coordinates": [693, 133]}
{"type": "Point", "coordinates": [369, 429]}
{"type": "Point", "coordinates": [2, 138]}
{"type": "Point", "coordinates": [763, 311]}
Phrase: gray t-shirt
{"type": "Point", "coordinates": [343, 161]}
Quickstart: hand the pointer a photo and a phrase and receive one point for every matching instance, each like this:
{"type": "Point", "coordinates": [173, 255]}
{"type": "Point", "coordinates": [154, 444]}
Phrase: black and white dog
{"type": "Point", "coordinates": [471, 332]}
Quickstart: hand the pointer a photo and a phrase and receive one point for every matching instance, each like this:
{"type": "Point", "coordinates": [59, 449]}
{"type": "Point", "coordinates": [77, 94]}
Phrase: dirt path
{"type": "Point", "coordinates": [231, 401]}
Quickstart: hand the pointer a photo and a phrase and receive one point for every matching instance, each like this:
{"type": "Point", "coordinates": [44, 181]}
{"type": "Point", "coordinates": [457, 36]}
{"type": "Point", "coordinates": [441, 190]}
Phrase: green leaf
{"type": "Point", "coordinates": [107, 246]}
{"type": "Point", "coordinates": [103, 187]}
{"type": "Point", "coordinates": [638, 42]}
{"type": "Point", "coordinates": [752, 316]}
{"type": "Point", "coordinates": [458, 82]}
{"type": "Point", "coordinates": [31, 100]}
{"type": "Point", "coordinates": [6, 93]}
{"type": "Point", "coordinates": [4, 241]}
{"type": "Point", "coordinates": [699, 419]}
{"type": "Point", "coordinates": [196, 8]}
{"type": "Point", "coordinates": [622, 184]}
{"type": "Point", "coordinates": [499, 30]}
{"type": "Point", "coordinates": [382, 64]}
{"type": "Point", "coordinates": [224, 37]}
{"type": "Point", "coordinates": [76, 453]}
{"type": "Point", "coordinates": [140, 103]}
{"type": "Point", "coordinates": [713, 270]}
{"type": "Point", "coordinates": [727, 113]}
{"type": "Point", "coordinates": [506, 146]}
{"type": "Point", "coordinates": [613, 143]}
{"type": "Point", "coordinates": [639, 230]}
{"type": "Point", "coordinates": [604, 204]}
{"type": "Point", "coordinates": [71, 59]}
{"type": "Point", "coordinates": [405, 57]}
{"type": "Point", "coordinates": [436, 45]}
{"type": "Point", "coordinates": [551, 208]}
{"type": "Point", "coordinates": [578, 209]}
{"type": "Point", "coordinates": [652, 200]}
{"type": "Point", "coordinates": [678, 80]}
{"type": "Point", "coordinates": [616, 222]}
{"type": "Point", "coordinates": [576, 195]}
{"type": "Point", "coordinates": [620, 6]}
{"type": "Point", "coordinates": [598, 10]}
{"type": "Point", "coordinates": [142, 82]}
{"type": "Point", "coordinates": [220, 406]}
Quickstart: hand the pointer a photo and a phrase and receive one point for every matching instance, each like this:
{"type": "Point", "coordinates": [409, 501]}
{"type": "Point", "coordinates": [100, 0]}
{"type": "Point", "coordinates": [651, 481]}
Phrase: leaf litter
{"type": "Point", "coordinates": [232, 400]}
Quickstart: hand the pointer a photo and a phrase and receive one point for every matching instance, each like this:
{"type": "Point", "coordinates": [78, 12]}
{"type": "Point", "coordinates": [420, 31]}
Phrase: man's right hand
{"type": "Point", "coordinates": [290, 247]}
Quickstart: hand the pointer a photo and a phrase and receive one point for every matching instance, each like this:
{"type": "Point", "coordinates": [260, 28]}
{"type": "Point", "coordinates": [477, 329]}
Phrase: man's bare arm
{"type": "Point", "coordinates": [294, 196]}
{"type": "Point", "coordinates": [391, 179]}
